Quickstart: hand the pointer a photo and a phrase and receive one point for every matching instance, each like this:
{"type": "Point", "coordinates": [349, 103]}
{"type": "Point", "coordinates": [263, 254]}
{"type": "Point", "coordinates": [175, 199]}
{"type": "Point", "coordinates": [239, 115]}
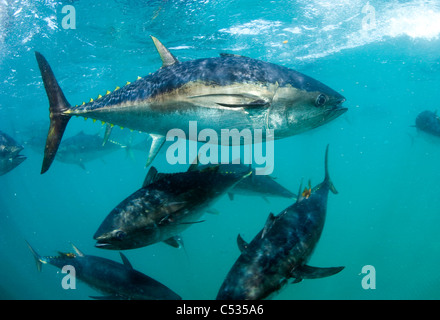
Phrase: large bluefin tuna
{"type": "Point", "coordinates": [281, 250]}
{"type": "Point", "coordinates": [116, 280]}
{"type": "Point", "coordinates": [227, 92]}
{"type": "Point", "coordinates": [166, 205]}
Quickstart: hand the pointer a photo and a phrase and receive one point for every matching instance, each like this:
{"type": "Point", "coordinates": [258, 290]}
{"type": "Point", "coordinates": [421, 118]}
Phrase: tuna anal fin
{"type": "Point", "coordinates": [213, 211]}
{"type": "Point", "coordinates": [175, 242]}
{"type": "Point", "coordinates": [156, 143]}
{"type": "Point", "coordinates": [108, 131]}
{"type": "Point", "coordinates": [308, 272]}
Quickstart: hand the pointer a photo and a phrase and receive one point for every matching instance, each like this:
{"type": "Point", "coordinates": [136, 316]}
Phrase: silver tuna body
{"type": "Point", "coordinates": [223, 93]}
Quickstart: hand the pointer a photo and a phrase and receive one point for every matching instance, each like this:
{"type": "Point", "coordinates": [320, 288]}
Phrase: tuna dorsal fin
{"type": "Point", "coordinates": [79, 253]}
{"type": "Point", "coordinates": [242, 245]}
{"type": "Point", "coordinates": [151, 177]}
{"type": "Point", "coordinates": [300, 196]}
{"type": "Point", "coordinates": [125, 261]}
{"type": "Point", "coordinates": [327, 176]}
{"type": "Point", "coordinates": [269, 223]}
{"type": "Point", "coordinates": [167, 58]}
{"type": "Point", "coordinates": [194, 165]}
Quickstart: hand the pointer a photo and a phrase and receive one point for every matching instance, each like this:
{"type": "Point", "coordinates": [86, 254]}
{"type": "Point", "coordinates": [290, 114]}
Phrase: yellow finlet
{"type": "Point", "coordinates": [83, 103]}
{"type": "Point", "coordinates": [117, 88]}
{"type": "Point", "coordinates": [128, 82]}
{"type": "Point", "coordinates": [108, 92]}
{"type": "Point", "coordinates": [102, 122]}
{"type": "Point", "coordinates": [139, 78]}
{"type": "Point", "coordinates": [91, 100]}
{"type": "Point", "coordinates": [99, 96]}
{"type": "Point", "coordinates": [94, 120]}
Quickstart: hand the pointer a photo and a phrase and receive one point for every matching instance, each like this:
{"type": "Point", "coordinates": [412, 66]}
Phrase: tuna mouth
{"type": "Point", "coordinates": [102, 245]}
{"type": "Point", "coordinates": [336, 110]}
{"type": "Point", "coordinates": [18, 159]}
{"type": "Point", "coordinates": [102, 241]}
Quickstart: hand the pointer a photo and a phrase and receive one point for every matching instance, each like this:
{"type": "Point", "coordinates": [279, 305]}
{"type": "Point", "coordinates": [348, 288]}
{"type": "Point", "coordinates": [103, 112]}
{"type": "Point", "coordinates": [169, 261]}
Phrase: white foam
{"type": "Point", "coordinates": [415, 22]}
{"type": "Point", "coordinates": [295, 30]}
{"type": "Point", "coordinates": [253, 27]}
{"type": "Point", "coordinates": [326, 27]}
{"type": "Point", "coordinates": [181, 48]}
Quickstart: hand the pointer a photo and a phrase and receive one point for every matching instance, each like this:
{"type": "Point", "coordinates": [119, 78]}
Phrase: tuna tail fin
{"type": "Point", "coordinates": [327, 179]}
{"type": "Point", "coordinates": [58, 106]}
{"type": "Point", "coordinates": [37, 257]}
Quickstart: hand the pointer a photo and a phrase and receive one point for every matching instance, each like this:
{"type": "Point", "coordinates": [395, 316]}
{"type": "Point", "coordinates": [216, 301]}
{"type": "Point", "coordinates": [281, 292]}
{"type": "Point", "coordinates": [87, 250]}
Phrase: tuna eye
{"type": "Point", "coordinates": [120, 235]}
{"type": "Point", "coordinates": [321, 100]}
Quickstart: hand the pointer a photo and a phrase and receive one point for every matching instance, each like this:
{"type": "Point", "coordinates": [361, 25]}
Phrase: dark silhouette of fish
{"type": "Point", "coordinates": [82, 148]}
{"type": "Point", "coordinates": [10, 156]}
{"type": "Point", "coordinates": [260, 185]}
{"type": "Point", "coordinates": [429, 122]}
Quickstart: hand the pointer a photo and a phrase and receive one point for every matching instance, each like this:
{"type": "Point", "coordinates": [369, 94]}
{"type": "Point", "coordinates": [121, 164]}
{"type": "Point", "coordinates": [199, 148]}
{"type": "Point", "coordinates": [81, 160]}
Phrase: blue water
{"type": "Point", "coordinates": [386, 213]}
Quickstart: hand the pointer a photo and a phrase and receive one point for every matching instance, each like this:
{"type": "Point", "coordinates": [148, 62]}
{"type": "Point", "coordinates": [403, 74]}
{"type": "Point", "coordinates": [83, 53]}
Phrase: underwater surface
{"type": "Point", "coordinates": [383, 57]}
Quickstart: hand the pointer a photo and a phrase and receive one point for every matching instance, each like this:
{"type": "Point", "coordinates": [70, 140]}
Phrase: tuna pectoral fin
{"type": "Point", "coordinates": [231, 100]}
{"type": "Point", "coordinates": [58, 106]}
{"type": "Point", "coordinates": [156, 143]}
{"type": "Point", "coordinates": [253, 104]}
{"type": "Point", "coordinates": [308, 272]}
